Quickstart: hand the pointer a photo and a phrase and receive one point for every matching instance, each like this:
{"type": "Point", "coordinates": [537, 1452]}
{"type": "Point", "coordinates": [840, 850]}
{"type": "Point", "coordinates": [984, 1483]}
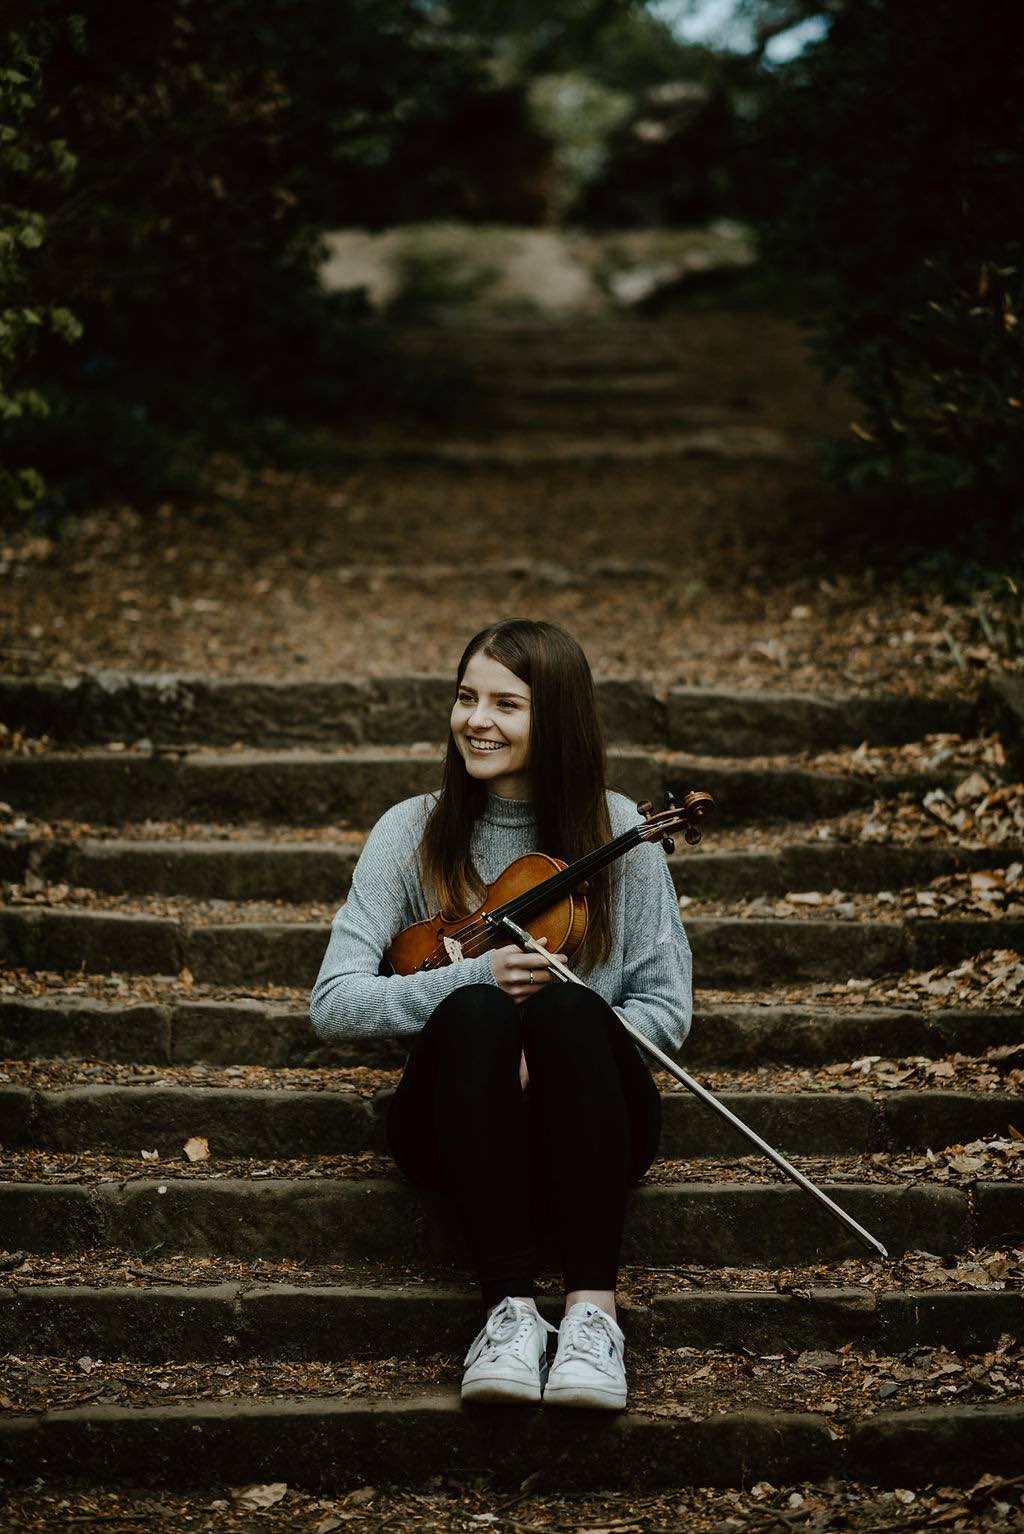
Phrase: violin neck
{"type": "Point", "coordinates": [546, 893]}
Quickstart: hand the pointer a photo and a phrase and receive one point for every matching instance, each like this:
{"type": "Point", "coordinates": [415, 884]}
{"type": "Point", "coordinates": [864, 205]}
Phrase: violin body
{"type": "Point", "coordinates": [563, 923]}
{"type": "Point", "coordinates": [540, 894]}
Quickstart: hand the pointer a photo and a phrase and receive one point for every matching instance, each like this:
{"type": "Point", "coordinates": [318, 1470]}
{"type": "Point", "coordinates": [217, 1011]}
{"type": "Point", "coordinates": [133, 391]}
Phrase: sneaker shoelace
{"type": "Point", "coordinates": [593, 1336]}
{"type": "Point", "coordinates": [508, 1326]}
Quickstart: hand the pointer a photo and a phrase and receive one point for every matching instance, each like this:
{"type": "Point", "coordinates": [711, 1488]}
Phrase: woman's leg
{"type": "Point", "coordinates": [459, 1121]}
{"type": "Point", "coordinates": [595, 1124]}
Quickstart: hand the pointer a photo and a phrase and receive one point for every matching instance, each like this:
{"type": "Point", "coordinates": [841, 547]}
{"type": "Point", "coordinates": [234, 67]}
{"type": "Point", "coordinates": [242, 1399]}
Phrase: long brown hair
{"type": "Point", "coordinates": [566, 768]}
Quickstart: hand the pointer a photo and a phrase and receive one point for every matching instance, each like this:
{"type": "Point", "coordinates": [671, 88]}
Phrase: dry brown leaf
{"type": "Point", "coordinates": [254, 1497]}
{"type": "Point", "coordinates": [197, 1148]}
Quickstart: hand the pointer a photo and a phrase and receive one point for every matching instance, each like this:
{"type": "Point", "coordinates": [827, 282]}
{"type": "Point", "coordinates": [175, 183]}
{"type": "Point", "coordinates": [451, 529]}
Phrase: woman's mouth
{"type": "Point", "coordinates": [485, 747]}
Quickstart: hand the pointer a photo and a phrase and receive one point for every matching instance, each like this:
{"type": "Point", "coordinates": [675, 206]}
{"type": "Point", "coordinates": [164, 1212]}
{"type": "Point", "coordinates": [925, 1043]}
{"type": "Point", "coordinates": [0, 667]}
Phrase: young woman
{"type": "Point", "coordinates": [521, 1094]}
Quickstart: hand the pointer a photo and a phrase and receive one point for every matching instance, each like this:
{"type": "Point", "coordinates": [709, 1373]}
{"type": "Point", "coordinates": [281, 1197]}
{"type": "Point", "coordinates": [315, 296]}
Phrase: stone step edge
{"type": "Point", "coordinates": [63, 1025]}
{"type": "Point", "coordinates": [727, 950]}
{"type": "Point", "coordinates": [319, 788]}
{"type": "Point", "coordinates": [274, 1121]}
{"type": "Point", "coordinates": [321, 1442]}
{"type": "Point", "coordinates": [280, 1320]}
{"type": "Point", "coordinates": [170, 707]}
{"type": "Point", "coordinates": [734, 1224]}
{"type": "Point", "coordinates": [301, 870]}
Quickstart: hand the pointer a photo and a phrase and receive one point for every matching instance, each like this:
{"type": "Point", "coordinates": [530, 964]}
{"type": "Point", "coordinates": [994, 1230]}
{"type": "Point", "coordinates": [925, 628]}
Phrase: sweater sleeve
{"type": "Point", "coordinates": [657, 966]}
{"type": "Point", "coordinates": [350, 998]}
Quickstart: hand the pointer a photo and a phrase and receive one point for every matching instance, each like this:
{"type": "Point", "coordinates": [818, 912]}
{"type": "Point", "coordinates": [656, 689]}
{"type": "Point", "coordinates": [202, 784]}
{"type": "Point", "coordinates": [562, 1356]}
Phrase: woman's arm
{"type": "Point", "coordinates": [657, 973]}
{"type": "Point", "coordinates": [350, 997]}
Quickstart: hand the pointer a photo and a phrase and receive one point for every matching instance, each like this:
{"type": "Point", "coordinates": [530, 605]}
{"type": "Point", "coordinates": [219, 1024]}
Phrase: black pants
{"type": "Point", "coordinates": [566, 1150]}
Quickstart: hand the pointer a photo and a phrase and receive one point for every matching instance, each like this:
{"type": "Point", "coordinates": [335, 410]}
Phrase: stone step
{"type": "Point", "coordinates": [728, 951]}
{"type": "Point", "coordinates": [569, 407]}
{"type": "Point", "coordinates": [275, 869]}
{"type": "Point", "coordinates": [383, 1219]}
{"type": "Point", "coordinates": [568, 436]}
{"type": "Point", "coordinates": [653, 411]}
{"type": "Point", "coordinates": [353, 788]}
{"type": "Point", "coordinates": [269, 1033]}
{"type": "Point", "coordinates": [67, 1026]}
{"type": "Point", "coordinates": [326, 1443]}
{"type": "Point", "coordinates": [170, 709]}
{"type": "Point", "coordinates": [161, 1322]}
{"type": "Point", "coordinates": [607, 391]}
{"type": "Point", "coordinates": [269, 1122]}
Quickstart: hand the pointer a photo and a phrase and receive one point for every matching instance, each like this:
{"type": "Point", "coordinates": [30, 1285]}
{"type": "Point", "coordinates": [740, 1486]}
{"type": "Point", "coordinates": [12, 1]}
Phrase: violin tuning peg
{"type": "Point", "coordinates": [644, 808]}
{"type": "Point", "coordinates": [670, 800]}
{"type": "Point", "coordinates": [668, 844]}
{"type": "Point", "coordinates": [692, 835]}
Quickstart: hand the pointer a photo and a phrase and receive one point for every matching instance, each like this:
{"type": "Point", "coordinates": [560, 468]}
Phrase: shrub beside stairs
{"type": "Point", "coordinates": [382, 1273]}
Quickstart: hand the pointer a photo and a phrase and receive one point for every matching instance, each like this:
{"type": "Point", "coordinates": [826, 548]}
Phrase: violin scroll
{"type": "Point", "coordinates": [677, 815]}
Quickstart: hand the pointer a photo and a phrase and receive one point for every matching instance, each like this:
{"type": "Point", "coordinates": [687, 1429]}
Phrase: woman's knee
{"type": "Point", "coordinates": [566, 1011]}
{"type": "Point", "coordinates": [478, 1013]}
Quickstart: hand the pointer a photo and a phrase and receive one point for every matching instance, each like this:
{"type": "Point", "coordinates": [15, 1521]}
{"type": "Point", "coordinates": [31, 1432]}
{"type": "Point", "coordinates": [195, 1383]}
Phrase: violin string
{"type": "Point", "coordinates": [474, 932]}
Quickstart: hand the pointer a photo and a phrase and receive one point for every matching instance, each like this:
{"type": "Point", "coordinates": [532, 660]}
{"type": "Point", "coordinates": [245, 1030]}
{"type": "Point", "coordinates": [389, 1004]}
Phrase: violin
{"type": "Point", "coordinates": [541, 893]}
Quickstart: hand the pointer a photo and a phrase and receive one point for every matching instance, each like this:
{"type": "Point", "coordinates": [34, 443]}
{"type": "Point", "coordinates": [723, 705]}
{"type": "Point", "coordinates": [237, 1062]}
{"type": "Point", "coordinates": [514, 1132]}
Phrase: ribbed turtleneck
{"type": "Point", "coordinates": [507, 812]}
{"type": "Point", "coordinates": [647, 975]}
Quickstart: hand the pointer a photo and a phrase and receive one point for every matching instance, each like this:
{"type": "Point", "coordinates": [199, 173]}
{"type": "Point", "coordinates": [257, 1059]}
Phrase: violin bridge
{"type": "Point", "coordinates": [453, 948]}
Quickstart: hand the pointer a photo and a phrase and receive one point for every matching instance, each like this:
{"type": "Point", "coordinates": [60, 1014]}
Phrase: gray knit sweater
{"type": "Point", "coordinates": [647, 977]}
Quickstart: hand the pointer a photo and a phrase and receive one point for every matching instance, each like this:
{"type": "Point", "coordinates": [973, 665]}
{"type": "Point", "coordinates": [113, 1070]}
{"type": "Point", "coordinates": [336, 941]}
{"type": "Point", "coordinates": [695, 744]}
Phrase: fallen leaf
{"type": "Point", "coordinates": [197, 1149]}
{"type": "Point", "coordinates": [813, 1359]}
{"type": "Point", "coordinates": [259, 1496]}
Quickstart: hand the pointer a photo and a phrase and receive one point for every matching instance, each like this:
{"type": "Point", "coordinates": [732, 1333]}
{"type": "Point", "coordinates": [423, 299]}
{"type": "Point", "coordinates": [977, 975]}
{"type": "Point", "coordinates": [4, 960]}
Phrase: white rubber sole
{"type": "Point", "coordinates": [495, 1392]}
{"type": "Point", "coordinates": [612, 1399]}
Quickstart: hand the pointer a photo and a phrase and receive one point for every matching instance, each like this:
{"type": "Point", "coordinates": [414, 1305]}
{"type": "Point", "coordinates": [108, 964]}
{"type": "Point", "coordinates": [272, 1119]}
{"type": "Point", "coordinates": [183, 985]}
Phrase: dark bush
{"type": "Point", "coordinates": [893, 155]}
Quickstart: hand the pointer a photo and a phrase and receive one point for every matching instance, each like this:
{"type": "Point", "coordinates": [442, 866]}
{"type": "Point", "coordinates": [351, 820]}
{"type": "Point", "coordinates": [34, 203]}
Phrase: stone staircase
{"type": "Point", "coordinates": [174, 851]}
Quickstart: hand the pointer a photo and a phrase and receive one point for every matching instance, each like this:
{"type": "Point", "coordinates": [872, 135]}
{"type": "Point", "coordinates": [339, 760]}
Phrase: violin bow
{"type": "Point", "coordinates": [525, 940]}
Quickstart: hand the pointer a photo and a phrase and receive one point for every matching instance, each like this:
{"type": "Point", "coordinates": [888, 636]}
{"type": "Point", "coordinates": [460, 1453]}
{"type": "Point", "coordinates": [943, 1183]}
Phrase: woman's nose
{"type": "Point", "coordinates": [479, 719]}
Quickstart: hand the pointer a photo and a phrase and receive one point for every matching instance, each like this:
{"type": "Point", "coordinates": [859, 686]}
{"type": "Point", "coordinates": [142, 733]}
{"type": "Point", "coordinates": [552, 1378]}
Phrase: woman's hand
{"type": "Point", "coordinates": [520, 975]}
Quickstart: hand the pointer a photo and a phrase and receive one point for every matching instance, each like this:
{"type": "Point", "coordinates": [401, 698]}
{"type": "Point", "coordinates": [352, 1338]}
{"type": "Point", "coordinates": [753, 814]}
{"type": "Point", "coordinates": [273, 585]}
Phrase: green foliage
{"type": "Point", "coordinates": [894, 156]}
{"type": "Point", "coordinates": [214, 140]}
{"type": "Point", "coordinates": [431, 280]}
{"type": "Point", "coordinates": [22, 232]}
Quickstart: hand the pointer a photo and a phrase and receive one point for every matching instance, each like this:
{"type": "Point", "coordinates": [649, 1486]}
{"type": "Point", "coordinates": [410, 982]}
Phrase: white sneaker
{"type": "Point", "coordinates": [507, 1360]}
{"type": "Point", "coordinates": [588, 1369]}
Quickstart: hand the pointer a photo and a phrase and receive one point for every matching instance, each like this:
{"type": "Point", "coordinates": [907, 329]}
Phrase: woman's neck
{"type": "Point", "coordinates": [502, 811]}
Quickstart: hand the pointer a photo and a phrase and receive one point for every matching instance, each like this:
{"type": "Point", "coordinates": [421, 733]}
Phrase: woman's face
{"type": "Point", "coordinates": [491, 725]}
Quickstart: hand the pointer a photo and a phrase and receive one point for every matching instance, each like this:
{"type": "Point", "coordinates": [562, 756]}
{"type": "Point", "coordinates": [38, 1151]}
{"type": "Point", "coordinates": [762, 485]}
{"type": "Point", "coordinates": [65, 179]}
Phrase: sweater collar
{"type": "Point", "coordinates": [508, 812]}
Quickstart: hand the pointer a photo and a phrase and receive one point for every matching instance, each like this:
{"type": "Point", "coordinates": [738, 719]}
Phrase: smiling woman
{"type": "Point", "coordinates": [491, 726]}
{"type": "Point", "coordinates": [520, 1094]}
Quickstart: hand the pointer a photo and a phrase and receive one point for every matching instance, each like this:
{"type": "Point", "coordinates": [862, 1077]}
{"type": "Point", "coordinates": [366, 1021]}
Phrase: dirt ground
{"type": "Point", "coordinates": [705, 569]}
{"type": "Point", "coordinates": [463, 1503]}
